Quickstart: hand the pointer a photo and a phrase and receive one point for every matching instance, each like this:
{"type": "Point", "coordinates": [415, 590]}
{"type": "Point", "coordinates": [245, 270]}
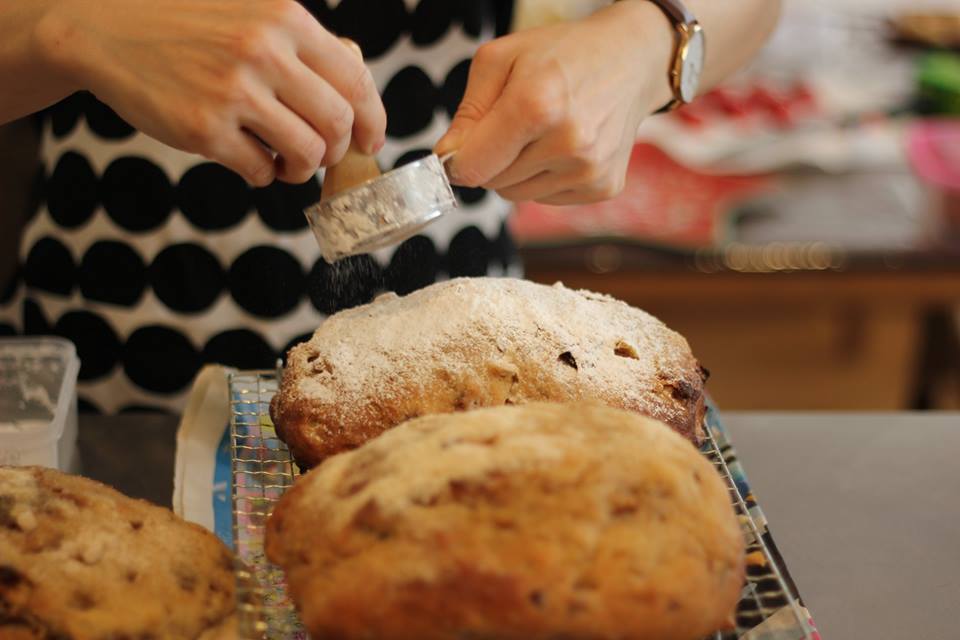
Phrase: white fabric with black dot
{"type": "Point", "coordinates": [154, 262]}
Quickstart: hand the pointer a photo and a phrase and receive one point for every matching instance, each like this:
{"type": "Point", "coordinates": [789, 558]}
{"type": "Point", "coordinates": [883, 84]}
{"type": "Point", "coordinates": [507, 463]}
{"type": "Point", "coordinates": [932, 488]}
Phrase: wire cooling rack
{"type": "Point", "coordinates": [769, 608]}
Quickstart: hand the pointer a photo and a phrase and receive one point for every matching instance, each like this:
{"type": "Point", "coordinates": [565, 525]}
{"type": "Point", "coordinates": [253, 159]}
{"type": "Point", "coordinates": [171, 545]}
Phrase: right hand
{"type": "Point", "coordinates": [223, 78]}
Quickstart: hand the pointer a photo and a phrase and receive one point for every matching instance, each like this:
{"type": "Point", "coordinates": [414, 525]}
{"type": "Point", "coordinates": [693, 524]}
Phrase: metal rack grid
{"type": "Point", "coordinates": [769, 608]}
{"type": "Point", "coordinates": [263, 470]}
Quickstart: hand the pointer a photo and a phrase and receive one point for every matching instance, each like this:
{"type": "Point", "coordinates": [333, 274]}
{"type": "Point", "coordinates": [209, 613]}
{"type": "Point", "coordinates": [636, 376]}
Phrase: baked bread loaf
{"type": "Point", "coordinates": [531, 522]}
{"type": "Point", "coordinates": [81, 561]}
{"type": "Point", "coordinates": [471, 343]}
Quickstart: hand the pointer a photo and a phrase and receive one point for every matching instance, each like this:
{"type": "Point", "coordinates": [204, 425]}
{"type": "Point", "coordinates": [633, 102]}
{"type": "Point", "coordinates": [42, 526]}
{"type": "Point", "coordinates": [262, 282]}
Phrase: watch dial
{"type": "Point", "coordinates": [692, 67]}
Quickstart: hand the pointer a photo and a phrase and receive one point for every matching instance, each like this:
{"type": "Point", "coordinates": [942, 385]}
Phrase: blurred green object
{"type": "Point", "coordinates": [938, 77]}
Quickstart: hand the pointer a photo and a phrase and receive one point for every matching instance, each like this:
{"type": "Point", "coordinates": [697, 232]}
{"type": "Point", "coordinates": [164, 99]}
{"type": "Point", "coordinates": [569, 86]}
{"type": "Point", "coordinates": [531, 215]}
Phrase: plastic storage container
{"type": "Point", "coordinates": [38, 403]}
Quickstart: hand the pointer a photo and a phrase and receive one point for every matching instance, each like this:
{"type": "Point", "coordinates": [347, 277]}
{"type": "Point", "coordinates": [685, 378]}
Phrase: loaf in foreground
{"type": "Point", "coordinates": [528, 522]}
{"type": "Point", "coordinates": [81, 561]}
{"type": "Point", "coordinates": [471, 343]}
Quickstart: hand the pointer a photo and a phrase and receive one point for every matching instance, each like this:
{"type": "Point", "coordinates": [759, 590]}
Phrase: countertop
{"type": "Point", "coordinates": [865, 508]}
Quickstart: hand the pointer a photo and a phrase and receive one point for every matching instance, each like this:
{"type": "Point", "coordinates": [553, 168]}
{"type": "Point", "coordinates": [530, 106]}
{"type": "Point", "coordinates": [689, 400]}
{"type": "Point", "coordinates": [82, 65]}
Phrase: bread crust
{"type": "Point", "coordinates": [531, 522]}
{"type": "Point", "coordinates": [471, 343]}
{"type": "Point", "coordinates": [81, 561]}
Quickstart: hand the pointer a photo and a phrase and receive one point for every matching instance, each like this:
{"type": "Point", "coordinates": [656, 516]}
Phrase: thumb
{"type": "Point", "coordinates": [488, 75]}
{"type": "Point", "coordinates": [451, 141]}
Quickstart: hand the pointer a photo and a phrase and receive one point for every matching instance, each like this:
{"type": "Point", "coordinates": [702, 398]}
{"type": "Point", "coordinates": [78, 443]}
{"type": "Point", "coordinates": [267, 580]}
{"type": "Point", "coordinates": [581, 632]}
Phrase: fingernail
{"type": "Point", "coordinates": [353, 47]}
{"type": "Point", "coordinates": [262, 176]}
{"type": "Point", "coordinates": [372, 148]}
{"type": "Point", "coordinates": [449, 142]}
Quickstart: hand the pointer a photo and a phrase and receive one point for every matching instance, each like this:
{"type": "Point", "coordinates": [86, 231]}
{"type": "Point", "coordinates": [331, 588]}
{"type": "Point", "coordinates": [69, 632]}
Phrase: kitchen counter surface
{"type": "Point", "coordinates": [865, 508]}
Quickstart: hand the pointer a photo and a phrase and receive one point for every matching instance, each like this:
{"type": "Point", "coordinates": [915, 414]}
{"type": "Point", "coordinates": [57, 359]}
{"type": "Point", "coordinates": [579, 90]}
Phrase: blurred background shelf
{"type": "Point", "coordinates": [881, 339]}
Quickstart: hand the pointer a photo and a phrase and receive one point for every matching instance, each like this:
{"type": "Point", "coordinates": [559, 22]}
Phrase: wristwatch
{"type": "Point", "coordinates": [687, 65]}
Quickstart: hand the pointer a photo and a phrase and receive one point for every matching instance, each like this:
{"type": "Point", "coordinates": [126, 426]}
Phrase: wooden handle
{"type": "Point", "coordinates": [355, 167]}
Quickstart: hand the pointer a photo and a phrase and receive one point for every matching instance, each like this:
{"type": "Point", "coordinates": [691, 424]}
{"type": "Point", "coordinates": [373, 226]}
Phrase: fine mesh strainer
{"type": "Point", "coordinates": [362, 210]}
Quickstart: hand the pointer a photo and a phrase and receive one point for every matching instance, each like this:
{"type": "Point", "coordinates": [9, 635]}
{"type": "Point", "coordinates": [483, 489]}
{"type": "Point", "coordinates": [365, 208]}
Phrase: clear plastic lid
{"type": "Point", "coordinates": [37, 381]}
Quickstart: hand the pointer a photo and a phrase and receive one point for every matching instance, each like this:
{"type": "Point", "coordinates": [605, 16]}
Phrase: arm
{"type": "Point", "coordinates": [223, 78]}
{"type": "Point", "coordinates": [736, 29]}
{"type": "Point", "coordinates": [551, 114]}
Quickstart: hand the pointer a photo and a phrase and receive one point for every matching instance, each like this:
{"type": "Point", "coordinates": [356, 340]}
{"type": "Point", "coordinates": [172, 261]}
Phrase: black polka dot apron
{"type": "Point", "coordinates": [154, 261]}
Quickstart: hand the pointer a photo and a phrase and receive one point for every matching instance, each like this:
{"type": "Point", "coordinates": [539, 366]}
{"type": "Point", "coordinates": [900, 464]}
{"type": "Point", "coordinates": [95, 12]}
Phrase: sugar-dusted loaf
{"type": "Point", "coordinates": [471, 343]}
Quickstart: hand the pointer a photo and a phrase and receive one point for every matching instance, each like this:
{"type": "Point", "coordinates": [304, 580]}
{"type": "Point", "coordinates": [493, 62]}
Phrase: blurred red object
{"type": "Point", "coordinates": [934, 151]}
{"type": "Point", "coordinates": [780, 107]}
{"type": "Point", "coordinates": [663, 203]}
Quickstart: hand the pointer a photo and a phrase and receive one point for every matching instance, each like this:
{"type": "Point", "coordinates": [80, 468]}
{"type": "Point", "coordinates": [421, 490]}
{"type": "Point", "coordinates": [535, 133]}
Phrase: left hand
{"type": "Point", "coordinates": [551, 114]}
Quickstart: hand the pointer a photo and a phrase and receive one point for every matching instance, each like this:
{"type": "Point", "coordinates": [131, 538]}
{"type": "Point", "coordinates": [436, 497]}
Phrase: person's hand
{"type": "Point", "coordinates": [223, 78]}
{"type": "Point", "coordinates": [551, 114]}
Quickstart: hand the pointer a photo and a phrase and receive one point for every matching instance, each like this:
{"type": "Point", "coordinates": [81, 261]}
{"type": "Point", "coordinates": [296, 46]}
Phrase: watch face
{"type": "Point", "coordinates": [692, 66]}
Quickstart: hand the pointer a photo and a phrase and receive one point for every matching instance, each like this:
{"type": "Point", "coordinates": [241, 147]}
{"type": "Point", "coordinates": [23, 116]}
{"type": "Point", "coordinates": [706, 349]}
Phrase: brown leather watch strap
{"type": "Point", "coordinates": [676, 11]}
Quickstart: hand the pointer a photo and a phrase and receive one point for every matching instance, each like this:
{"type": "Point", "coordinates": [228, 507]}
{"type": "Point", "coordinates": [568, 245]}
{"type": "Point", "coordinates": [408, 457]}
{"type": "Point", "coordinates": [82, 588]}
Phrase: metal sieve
{"type": "Point", "coordinates": [382, 211]}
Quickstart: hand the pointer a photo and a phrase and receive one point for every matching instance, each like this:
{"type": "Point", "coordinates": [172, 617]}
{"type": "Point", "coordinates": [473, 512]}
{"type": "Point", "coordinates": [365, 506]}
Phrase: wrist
{"type": "Point", "coordinates": [650, 41]}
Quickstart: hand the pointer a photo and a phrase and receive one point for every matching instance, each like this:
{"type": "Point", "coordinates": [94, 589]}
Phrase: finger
{"type": "Point", "coordinates": [244, 154]}
{"type": "Point", "coordinates": [567, 187]}
{"type": "Point", "coordinates": [542, 185]}
{"type": "Point", "coordinates": [571, 197]}
{"type": "Point", "coordinates": [315, 101]}
{"type": "Point", "coordinates": [531, 162]}
{"type": "Point", "coordinates": [346, 72]}
{"type": "Point", "coordinates": [594, 183]}
{"type": "Point", "coordinates": [490, 146]}
{"type": "Point", "coordinates": [299, 147]}
{"type": "Point", "coordinates": [486, 80]}
{"type": "Point", "coordinates": [526, 110]}
{"type": "Point", "coordinates": [545, 155]}
{"type": "Point", "coordinates": [589, 195]}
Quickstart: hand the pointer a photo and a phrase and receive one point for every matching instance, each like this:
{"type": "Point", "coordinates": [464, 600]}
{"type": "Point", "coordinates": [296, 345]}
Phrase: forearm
{"type": "Point", "coordinates": [29, 79]}
{"type": "Point", "coordinates": [735, 30]}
